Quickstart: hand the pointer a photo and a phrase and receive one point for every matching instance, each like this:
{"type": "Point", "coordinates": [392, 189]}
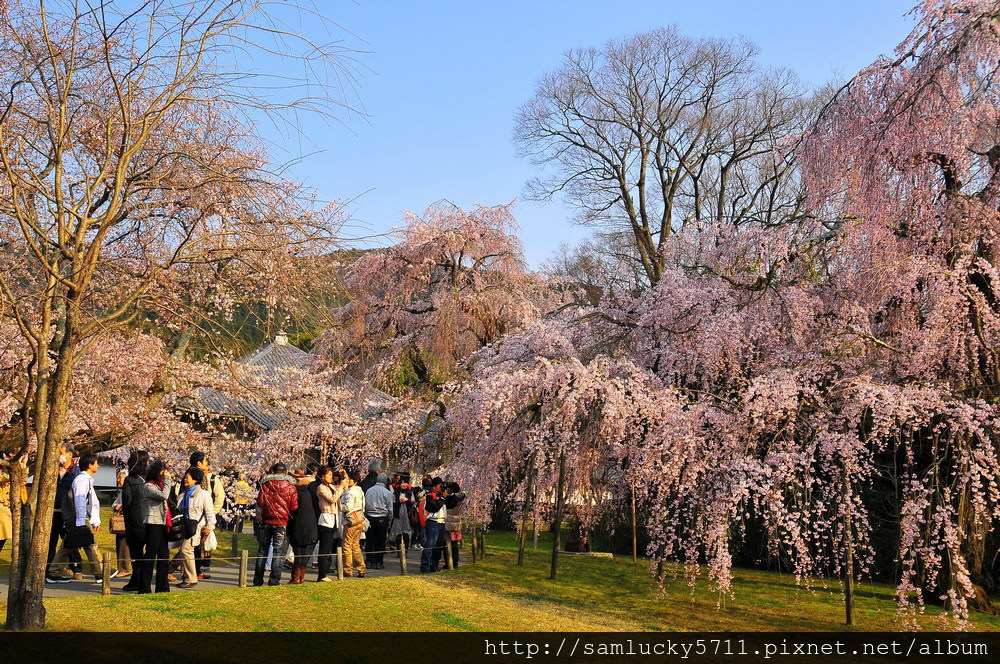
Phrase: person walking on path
{"type": "Point", "coordinates": [242, 494]}
{"type": "Point", "coordinates": [123, 557]}
{"type": "Point", "coordinates": [435, 514]}
{"type": "Point", "coordinates": [276, 501]}
{"type": "Point", "coordinates": [135, 517]}
{"type": "Point", "coordinates": [152, 509]}
{"type": "Point", "coordinates": [403, 504]}
{"type": "Point", "coordinates": [82, 518]}
{"type": "Point", "coordinates": [374, 468]}
{"type": "Point", "coordinates": [332, 486]}
{"type": "Point", "coordinates": [303, 529]}
{"type": "Point", "coordinates": [213, 485]}
{"type": "Point", "coordinates": [197, 507]}
{"type": "Point", "coordinates": [378, 510]}
{"type": "Point", "coordinates": [6, 516]}
{"type": "Point", "coordinates": [454, 497]}
{"type": "Point", "coordinates": [352, 504]}
{"type": "Point", "coordinates": [68, 470]}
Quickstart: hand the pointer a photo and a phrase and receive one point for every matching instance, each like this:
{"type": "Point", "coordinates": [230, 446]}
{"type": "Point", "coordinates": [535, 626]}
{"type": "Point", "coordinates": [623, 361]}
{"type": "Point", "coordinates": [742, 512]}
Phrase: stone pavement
{"type": "Point", "coordinates": [225, 575]}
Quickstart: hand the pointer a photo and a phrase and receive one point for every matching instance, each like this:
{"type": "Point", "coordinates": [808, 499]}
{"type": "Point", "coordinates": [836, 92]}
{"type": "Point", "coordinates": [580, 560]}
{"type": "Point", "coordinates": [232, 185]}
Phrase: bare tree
{"type": "Point", "coordinates": [127, 156]}
{"type": "Point", "coordinates": [655, 132]}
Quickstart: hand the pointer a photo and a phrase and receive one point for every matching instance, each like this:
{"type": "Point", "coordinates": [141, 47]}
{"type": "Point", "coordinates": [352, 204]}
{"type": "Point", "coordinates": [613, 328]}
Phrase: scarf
{"type": "Point", "coordinates": [186, 501]}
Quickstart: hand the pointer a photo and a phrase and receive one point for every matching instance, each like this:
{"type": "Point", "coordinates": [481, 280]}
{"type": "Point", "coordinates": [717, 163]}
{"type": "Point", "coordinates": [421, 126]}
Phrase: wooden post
{"type": "Point", "coordinates": [524, 514]}
{"type": "Point", "coordinates": [244, 563]}
{"type": "Point", "coordinates": [635, 541]}
{"type": "Point", "coordinates": [848, 552]}
{"type": "Point", "coordinates": [475, 534]}
{"type": "Point", "coordinates": [340, 563]}
{"type": "Point", "coordinates": [447, 554]}
{"type": "Point", "coordinates": [402, 556]}
{"type": "Point", "coordinates": [236, 542]}
{"type": "Point", "coordinates": [106, 574]}
{"type": "Point", "coordinates": [557, 526]}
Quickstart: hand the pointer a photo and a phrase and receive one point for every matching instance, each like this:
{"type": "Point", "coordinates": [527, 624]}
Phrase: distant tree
{"type": "Point", "coordinates": [657, 132]}
{"type": "Point", "coordinates": [534, 417]}
{"type": "Point", "coordinates": [455, 282]}
{"type": "Point", "coordinates": [601, 265]}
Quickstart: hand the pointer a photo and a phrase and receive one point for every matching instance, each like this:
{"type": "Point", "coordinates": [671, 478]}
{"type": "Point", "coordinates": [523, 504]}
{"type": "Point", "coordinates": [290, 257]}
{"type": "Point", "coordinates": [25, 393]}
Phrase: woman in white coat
{"type": "Point", "coordinates": [196, 504]}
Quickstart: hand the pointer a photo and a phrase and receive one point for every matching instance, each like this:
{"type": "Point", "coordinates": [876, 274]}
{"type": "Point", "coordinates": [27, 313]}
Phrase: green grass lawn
{"type": "Point", "coordinates": [590, 594]}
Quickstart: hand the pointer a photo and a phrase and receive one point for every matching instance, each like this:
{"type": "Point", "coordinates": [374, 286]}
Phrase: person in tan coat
{"type": "Point", "coordinates": [352, 504]}
{"type": "Point", "coordinates": [6, 516]}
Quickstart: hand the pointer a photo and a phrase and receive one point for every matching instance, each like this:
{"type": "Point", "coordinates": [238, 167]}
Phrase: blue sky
{"type": "Point", "coordinates": [440, 83]}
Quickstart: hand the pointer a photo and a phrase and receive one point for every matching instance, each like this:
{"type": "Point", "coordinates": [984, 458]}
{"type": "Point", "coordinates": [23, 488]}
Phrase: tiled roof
{"type": "Point", "coordinates": [367, 401]}
{"type": "Point", "coordinates": [210, 401]}
{"type": "Point", "coordinates": [270, 363]}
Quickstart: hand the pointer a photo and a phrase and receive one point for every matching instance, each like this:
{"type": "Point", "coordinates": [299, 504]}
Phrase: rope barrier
{"type": "Point", "coordinates": [244, 558]}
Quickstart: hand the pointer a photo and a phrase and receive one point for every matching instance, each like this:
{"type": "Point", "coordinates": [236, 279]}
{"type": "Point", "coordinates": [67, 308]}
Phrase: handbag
{"type": "Point", "coordinates": [181, 527]}
{"type": "Point", "coordinates": [178, 528]}
{"type": "Point", "coordinates": [117, 524]}
{"type": "Point", "coordinates": [210, 543]}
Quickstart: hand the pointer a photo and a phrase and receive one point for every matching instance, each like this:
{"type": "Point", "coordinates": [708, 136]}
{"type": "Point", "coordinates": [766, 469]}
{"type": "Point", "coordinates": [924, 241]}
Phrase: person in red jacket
{"type": "Point", "coordinates": [276, 501]}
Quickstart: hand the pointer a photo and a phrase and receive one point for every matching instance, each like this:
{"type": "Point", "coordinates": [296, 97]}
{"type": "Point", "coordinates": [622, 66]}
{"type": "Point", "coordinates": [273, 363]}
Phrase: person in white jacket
{"type": "Point", "coordinates": [196, 504]}
{"type": "Point", "coordinates": [85, 513]}
{"type": "Point", "coordinates": [352, 505]}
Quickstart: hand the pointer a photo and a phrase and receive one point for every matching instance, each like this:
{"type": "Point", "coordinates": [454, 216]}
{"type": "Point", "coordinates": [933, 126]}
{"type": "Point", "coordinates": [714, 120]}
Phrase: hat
{"type": "Point", "coordinates": [436, 481]}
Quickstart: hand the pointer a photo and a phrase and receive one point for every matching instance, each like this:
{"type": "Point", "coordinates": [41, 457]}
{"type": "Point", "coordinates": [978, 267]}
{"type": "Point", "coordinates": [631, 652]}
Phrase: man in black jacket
{"type": "Point", "coordinates": [68, 470]}
{"type": "Point", "coordinates": [374, 468]}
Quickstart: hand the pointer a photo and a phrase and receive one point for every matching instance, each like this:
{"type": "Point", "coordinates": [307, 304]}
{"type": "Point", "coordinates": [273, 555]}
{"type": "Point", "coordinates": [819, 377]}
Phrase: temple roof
{"type": "Point", "coordinates": [272, 363]}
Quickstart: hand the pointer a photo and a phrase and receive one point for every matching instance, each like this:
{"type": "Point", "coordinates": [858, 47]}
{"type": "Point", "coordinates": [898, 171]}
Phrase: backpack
{"type": "Point", "coordinates": [421, 513]}
{"type": "Point", "coordinates": [68, 508]}
{"type": "Point", "coordinates": [75, 536]}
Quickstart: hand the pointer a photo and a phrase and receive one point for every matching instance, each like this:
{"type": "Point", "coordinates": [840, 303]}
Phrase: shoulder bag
{"type": "Point", "coordinates": [78, 537]}
{"type": "Point", "coordinates": [117, 524]}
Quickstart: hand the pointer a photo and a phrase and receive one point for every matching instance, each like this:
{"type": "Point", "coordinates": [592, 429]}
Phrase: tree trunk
{"type": "Point", "coordinates": [848, 552]}
{"type": "Point", "coordinates": [25, 609]}
{"type": "Point", "coordinates": [557, 525]}
{"type": "Point", "coordinates": [525, 511]}
{"type": "Point", "coordinates": [973, 550]}
{"type": "Point", "coordinates": [635, 539]}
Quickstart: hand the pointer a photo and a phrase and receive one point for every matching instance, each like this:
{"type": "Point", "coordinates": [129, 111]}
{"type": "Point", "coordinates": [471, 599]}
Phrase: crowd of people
{"type": "Point", "coordinates": [313, 511]}
{"type": "Point", "coordinates": [318, 509]}
{"type": "Point", "coordinates": [155, 509]}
